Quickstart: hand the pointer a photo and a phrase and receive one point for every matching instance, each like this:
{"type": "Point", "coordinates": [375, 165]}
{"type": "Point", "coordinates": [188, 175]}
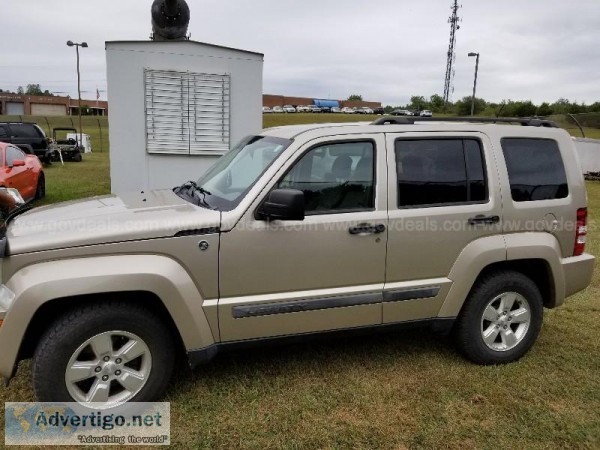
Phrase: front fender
{"type": "Point", "coordinates": [40, 283]}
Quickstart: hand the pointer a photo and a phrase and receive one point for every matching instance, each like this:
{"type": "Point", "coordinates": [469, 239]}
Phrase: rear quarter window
{"type": "Point", "coordinates": [535, 169]}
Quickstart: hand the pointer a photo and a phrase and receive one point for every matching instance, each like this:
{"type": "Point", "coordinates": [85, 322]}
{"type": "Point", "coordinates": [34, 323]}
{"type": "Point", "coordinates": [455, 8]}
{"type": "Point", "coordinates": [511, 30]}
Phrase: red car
{"type": "Point", "coordinates": [22, 172]}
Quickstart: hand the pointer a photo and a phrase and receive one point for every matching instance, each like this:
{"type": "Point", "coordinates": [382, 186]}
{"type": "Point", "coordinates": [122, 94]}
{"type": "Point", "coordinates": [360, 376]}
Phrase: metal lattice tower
{"type": "Point", "coordinates": [454, 27]}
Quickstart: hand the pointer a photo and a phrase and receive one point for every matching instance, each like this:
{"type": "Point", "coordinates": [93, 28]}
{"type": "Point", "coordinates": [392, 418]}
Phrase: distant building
{"type": "Point", "coordinates": [280, 100]}
{"type": "Point", "coordinates": [42, 105]}
{"type": "Point", "coordinates": [34, 105]}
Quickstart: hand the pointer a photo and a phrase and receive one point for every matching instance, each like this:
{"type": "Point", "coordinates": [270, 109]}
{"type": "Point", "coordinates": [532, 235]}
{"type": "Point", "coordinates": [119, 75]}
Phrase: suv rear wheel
{"type": "Point", "coordinates": [108, 353]}
{"type": "Point", "coordinates": [501, 319]}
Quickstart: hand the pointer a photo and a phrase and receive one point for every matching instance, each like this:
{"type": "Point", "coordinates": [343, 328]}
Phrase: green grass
{"type": "Point", "coordinates": [592, 133]}
{"type": "Point", "coordinates": [277, 120]}
{"type": "Point", "coordinates": [77, 180]}
{"type": "Point", "coordinates": [401, 390]}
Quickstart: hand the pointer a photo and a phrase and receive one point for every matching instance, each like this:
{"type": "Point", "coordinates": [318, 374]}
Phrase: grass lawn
{"type": "Point", "coordinates": [401, 390]}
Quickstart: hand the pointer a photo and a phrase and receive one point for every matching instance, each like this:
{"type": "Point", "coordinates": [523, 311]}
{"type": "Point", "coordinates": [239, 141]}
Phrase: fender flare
{"type": "Point", "coordinates": [483, 252]}
{"type": "Point", "coordinates": [471, 261]}
{"type": "Point", "coordinates": [544, 246]}
{"type": "Point", "coordinates": [38, 284]}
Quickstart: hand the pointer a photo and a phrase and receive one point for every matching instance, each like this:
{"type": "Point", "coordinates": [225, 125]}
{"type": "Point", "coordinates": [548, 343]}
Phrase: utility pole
{"type": "Point", "coordinates": [471, 54]}
{"type": "Point", "coordinates": [76, 45]}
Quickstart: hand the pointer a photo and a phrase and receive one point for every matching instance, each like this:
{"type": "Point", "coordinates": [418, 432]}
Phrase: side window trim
{"type": "Point", "coordinates": [467, 172]}
{"type": "Point", "coordinates": [336, 142]}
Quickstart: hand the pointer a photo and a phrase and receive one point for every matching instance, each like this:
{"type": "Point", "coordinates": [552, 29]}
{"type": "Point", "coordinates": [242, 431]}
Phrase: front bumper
{"type": "Point", "coordinates": [578, 272]}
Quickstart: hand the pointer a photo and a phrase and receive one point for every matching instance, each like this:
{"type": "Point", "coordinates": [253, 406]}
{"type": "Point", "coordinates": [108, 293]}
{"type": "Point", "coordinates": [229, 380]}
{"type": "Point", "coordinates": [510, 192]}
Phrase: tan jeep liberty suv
{"type": "Point", "coordinates": [469, 226]}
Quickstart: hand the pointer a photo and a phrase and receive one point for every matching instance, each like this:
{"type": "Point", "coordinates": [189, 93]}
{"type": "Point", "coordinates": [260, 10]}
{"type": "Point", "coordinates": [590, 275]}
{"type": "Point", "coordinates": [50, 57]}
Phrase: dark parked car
{"type": "Point", "coordinates": [29, 137]}
{"type": "Point", "coordinates": [379, 110]}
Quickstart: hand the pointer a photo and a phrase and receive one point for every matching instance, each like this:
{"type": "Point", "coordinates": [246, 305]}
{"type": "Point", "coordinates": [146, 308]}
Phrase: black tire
{"type": "Point", "coordinates": [77, 157]}
{"type": "Point", "coordinates": [40, 191]}
{"type": "Point", "coordinates": [468, 329]}
{"type": "Point", "coordinates": [72, 329]}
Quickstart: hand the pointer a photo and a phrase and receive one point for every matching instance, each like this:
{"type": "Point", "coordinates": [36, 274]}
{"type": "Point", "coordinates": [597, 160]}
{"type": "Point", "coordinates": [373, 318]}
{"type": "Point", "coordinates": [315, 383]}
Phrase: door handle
{"type": "Point", "coordinates": [367, 228]}
{"type": "Point", "coordinates": [483, 219]}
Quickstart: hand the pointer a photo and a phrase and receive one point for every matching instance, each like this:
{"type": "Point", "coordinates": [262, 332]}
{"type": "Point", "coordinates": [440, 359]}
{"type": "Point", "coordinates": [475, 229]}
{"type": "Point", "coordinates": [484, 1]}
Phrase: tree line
{"type": "Point", "coordinates": [31, 89]}
{"type": "Point", "coordinates": [507, 108]}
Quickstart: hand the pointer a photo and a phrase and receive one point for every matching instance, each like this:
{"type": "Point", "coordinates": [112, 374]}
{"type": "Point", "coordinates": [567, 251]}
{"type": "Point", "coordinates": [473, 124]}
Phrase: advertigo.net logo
{"type": "Point", "coordinates": [74, 424]}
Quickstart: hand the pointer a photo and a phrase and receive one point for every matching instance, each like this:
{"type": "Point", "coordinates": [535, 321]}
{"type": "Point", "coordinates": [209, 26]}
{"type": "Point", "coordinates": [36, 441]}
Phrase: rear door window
{"type": "Point", "coordinates": [25, 130]}
{"type": "Point", "coordinates": [439, 172]}
{"type": "Point", "coordinates": [535, 169]}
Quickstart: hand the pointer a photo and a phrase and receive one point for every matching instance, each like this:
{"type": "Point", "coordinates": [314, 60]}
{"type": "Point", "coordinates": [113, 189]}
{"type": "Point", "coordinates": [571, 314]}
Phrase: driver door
{"type": "Point", "coordinates": [282, 278]}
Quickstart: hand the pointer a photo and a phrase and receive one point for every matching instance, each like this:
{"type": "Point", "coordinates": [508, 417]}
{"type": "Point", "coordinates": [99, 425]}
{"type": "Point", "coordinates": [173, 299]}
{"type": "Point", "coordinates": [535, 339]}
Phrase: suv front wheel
{"type": "Point", "coordinates": [501, 318]}
{"type": "Point", "coordinates": [108, 353]}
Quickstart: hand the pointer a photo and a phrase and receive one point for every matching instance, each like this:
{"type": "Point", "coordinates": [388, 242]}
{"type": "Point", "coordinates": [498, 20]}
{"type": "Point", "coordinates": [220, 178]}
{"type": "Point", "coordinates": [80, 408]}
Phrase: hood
{"type": "Point", "coordinates": [107, 219]}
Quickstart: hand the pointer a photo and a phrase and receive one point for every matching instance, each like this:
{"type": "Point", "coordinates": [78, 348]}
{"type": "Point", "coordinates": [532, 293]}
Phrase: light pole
{"type": "Point", "coordinates": [475, 82]}
{"type": "Point", "coordinates": [77, 45]}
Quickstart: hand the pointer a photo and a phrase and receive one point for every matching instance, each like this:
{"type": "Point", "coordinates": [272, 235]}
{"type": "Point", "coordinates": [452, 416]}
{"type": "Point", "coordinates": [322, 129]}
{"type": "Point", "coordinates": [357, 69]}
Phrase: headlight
{"type": "Point", "coordinates": [6, 299]}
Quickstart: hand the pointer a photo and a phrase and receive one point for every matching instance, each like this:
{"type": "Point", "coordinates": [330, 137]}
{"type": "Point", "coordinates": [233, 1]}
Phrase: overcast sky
{"type": "Point", "coordinates": [385, 50]}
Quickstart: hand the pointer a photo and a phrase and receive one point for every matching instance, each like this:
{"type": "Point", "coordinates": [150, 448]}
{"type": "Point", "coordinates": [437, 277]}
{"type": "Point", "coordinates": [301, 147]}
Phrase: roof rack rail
{"type": "Point", "coordinates": [525, 121]}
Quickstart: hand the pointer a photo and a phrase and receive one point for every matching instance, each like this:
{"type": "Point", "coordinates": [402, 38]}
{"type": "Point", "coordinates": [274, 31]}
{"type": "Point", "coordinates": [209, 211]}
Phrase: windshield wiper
{"type": "Point", "coordinates": [191, 190]}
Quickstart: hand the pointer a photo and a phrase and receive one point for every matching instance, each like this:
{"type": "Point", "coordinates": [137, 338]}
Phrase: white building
{"type": "Point", "coordinates": [588, 151]}
{"type": "Point", "coordinates": [177, 106]}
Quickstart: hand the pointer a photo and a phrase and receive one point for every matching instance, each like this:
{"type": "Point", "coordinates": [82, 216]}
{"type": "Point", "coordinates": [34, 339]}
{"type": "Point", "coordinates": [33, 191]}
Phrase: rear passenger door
{"type": "Point", "coordinates": [443, 194]}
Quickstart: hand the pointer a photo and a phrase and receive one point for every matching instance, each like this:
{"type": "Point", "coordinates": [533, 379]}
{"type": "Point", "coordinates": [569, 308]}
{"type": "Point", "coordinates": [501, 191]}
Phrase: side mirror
{"type": "Point", "coordinates": [18, 163]}
{"type": "Point", "coordinates": [282, 204]}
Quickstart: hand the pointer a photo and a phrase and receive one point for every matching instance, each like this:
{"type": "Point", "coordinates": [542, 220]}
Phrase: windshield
{"type": "Point", "coordinates": [234, 174]}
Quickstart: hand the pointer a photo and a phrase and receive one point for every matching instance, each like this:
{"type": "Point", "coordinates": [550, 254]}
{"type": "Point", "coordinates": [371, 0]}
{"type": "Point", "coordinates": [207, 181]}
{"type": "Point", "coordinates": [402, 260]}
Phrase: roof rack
{"type": "Point", "coordinates": [525, 121]}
